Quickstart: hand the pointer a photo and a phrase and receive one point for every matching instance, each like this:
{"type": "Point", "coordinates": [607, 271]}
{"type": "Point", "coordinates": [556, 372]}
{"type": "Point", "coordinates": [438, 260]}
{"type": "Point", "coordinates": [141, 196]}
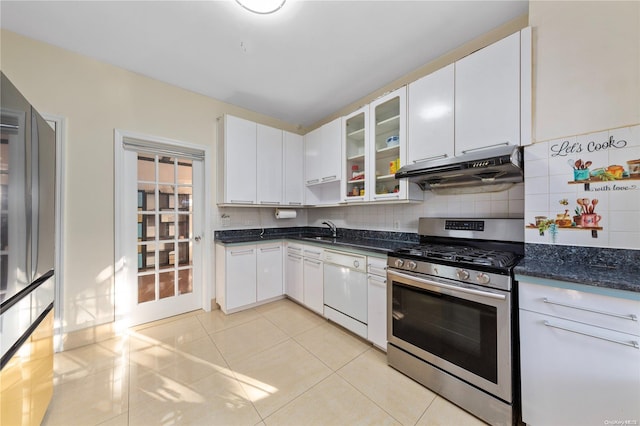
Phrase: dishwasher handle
{"type": "Point", "coordinates": [345, 260]}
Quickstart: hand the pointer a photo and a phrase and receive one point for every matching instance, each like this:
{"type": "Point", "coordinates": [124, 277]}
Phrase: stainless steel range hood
{"type": "Point", "coordinates": [487, 170]}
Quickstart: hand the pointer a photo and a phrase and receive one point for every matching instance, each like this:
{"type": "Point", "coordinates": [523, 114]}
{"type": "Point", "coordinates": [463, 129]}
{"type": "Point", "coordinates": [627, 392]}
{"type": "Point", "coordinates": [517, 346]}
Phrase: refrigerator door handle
{"type": "Point", "coordinates": [34, 213]}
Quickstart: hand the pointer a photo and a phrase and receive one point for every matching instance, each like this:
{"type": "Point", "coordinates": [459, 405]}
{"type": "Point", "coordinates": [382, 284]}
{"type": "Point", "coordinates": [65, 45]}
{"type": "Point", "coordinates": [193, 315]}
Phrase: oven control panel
{"type": "Point", "coordinates": [422, 269]}
{"type": "Point", "coordinates": [464, 225]}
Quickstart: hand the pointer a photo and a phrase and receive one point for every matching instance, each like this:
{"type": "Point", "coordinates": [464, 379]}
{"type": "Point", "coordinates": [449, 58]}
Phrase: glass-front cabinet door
{"type": "Point", "coordinates": [355, 187]}
{"type": "Point", "coordinates": [388, 147]}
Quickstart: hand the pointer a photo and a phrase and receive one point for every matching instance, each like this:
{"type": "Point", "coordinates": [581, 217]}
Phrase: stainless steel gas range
{"type": "Point", "coordinates": [452, 313]}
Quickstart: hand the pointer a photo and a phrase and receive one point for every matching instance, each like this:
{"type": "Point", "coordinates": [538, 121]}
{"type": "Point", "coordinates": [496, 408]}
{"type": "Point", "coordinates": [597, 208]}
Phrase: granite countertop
{"type": "Point", "coordinates": [382, 242]}
{"type": "Point", "coordinates": [617, 269]}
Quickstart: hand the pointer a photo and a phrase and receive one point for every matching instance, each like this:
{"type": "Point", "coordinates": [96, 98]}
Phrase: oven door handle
{"type": "Point", "coordinates": [447, 286]}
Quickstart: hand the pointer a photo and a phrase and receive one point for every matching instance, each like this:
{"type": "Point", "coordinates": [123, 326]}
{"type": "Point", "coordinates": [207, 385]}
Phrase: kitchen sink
{"type": "Point", "coordinates": [322, 238]}
{"type": "Point", "coordinates": [338, 241]}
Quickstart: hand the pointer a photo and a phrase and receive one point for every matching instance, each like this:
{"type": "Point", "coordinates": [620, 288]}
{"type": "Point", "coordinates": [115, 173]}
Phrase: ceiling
{"type": "Point", "coordinates": [300, 65]}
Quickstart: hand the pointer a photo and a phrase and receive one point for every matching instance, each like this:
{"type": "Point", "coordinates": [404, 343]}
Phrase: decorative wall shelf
{"type": "Point", "coordinates": [588, 182]}
{"type": "Point", "coordinates": [574, 228]}
{"type": "Point", "coordinates": [594, 230]}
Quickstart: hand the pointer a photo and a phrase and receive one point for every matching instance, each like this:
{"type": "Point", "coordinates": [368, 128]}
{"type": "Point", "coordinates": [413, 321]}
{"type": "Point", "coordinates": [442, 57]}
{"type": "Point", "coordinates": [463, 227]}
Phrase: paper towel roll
{"type": "Point", "coordinates": [286, 214]}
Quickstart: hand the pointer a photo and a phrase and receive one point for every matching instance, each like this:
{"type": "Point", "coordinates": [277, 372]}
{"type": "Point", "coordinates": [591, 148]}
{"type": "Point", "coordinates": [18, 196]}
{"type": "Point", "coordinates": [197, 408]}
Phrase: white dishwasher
{"type": "Point", "coordinates": [345, 290]}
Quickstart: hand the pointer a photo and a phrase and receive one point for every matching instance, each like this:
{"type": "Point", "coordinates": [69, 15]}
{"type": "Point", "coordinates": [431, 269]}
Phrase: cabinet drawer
{"type": "Point", "coordinates": [602, 311]}
{"type": "Point", "coordinates": [377, 266]}
{"type": "Point", "coordinates": [576, 374]}
{"type": "Point", "coordinates": [312, 252]}
{"type": "Point", "coordinates": [294, 248]}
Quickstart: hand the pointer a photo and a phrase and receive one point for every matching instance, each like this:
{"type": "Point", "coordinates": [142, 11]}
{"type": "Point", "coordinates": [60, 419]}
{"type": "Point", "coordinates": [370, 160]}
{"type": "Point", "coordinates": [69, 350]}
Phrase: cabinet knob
{"type": "Point", "coordinates": [198, 238]}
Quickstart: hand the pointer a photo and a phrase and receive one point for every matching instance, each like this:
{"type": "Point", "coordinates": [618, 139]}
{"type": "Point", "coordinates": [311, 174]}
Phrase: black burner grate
{"type": "Point", "coordinates": [462, 254]}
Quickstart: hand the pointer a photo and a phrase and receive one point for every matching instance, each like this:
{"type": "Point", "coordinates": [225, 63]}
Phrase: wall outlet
{"type": "Point", "coordinates": [396, 224]}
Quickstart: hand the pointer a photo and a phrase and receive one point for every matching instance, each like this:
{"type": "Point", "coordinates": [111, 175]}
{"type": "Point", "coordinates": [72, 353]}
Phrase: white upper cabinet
{"type": "Point", "coordinates": [431, 116]}
{"type": "Point", "coordinates": [323, 164]}
{"type": "Point", "coordinates": [269, 166]}
{"type": "Point", "coordinates": [356, 145]}
{"type": "Point", "coordinates": [251, 164]}
{"type": "Point", "coordinates": [323, 153]}
{"type": "Point", "coordinates": [312, 156]}
{"type": "Point", "coordinates": [487, 97]}
{"type": "Point", "coordinates": [236, 161]}
{"type": "Point", "coordinates": [293, 154]}
{"type": "Point", "coordinates": [331, 165]}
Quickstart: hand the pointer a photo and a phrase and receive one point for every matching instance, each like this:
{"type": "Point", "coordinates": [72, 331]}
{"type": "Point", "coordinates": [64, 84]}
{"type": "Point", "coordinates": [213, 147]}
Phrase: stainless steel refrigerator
{"type": "Point", "coordinates": [27, 231]}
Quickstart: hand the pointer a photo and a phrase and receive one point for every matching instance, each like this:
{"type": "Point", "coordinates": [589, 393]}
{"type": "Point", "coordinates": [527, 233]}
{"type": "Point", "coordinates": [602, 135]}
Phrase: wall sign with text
{"type": "Point", "coordinates": [584, 183]}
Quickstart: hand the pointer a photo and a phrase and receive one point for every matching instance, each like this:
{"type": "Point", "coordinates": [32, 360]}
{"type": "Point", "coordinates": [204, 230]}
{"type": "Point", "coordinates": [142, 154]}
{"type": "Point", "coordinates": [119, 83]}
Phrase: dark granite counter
{"type": "Point", "coordinates": [381, 242]}
{"type": "Point", "coordinates": [616, 269]}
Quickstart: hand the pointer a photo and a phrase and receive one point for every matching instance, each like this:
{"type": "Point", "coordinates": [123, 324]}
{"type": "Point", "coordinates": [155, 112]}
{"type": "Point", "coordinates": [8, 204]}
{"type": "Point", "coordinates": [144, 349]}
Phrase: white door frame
{"type": "Point", "coordinates": [119, 193]}
{"type": "Point", "coordinates": [58, 302]}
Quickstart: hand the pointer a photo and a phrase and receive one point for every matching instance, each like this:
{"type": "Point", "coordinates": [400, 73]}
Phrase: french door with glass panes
{"type": "Point", "coordinates": [163, 249]}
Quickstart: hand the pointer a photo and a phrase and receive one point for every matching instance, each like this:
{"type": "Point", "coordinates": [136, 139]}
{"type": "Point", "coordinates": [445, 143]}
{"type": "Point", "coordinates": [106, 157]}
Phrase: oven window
{"type": "Point", "coordinates": [457, 330]}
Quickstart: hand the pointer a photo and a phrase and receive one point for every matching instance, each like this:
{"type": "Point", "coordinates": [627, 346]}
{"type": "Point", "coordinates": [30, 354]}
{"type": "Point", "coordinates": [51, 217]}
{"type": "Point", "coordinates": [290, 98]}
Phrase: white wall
{"type": "Point", "coordinates": [586, 66]}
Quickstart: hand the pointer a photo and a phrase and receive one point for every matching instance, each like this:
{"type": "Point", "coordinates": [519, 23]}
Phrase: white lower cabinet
{"type": "Point", "coordinates": [235, 276]}
{"type": "Point", "coordinates": [238, 284]}
{"type": "Point", "coordinates": [313, 277]}
{"type": "Point", "coordinates": [293, 278]}
{"type": "Point", "coordinates": [251, 274]}
{"type": "Point", "coordinates": [377, 302]}
{"type": "Point", "coordinates": [270, 275]}
{"type": "Point", "coordinates": [580, 357]}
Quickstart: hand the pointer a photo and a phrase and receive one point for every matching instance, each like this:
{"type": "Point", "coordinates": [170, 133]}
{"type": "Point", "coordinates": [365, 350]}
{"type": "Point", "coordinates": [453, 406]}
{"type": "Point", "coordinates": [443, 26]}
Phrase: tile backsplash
{"type": "Point", "coordinates": [383, 217]}
{"type": "Point", "coordinates": [584, 190]}
{"type": "Point", "coordinates": [404, 217]}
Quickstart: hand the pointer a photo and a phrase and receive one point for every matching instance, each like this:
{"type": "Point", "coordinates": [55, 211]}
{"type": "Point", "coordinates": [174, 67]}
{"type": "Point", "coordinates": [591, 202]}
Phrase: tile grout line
{"type": "Point", "coordinates": [362, 393]}
{"type": "Point", "coordinates": [233, 371]}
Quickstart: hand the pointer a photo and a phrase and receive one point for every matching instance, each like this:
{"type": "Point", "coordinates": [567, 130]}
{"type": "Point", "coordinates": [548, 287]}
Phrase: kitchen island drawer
{"type": "Point", "coordinates": [614, 313]}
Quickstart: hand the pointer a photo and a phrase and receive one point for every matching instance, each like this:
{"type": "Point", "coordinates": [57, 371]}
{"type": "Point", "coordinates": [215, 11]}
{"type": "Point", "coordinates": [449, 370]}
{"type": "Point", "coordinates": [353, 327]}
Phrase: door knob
{"type": "Point", "coordinates": [198, 238]}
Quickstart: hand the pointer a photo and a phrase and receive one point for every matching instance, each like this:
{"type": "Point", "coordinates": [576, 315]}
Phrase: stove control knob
{"type": "Point", "coordinates": [483, 278]}
{"type": "Point", "coordinates": [412, 265]}
{"type": "Point", "coordinates": [399, 263]}
{"type": "Point", "coordinates": [462, 274]}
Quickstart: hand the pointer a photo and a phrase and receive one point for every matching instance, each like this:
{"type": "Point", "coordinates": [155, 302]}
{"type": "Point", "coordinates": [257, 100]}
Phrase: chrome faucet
{"type": "Point", "coordinates": [332, 227]}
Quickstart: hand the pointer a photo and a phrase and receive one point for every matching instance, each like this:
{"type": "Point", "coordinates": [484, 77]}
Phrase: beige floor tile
{"type": "Point", "coordinates": [154, 387]}
{"type": "Point", "coordinates": [162, 355]}
{"type": "Point", "coordinates": [334, 346]}
{"type": "Point", "coordinates": [279, 304]}
{"type": "Point", "coordinates": [276, 376]}
{"type": "Point", "coordinates": [175, 333]}
{"type": "Point", "coordinates": [247, 339]}
{"type": "Point", "coordinates": [216, 320]}
{"type": "Point", "coordinates": [331, 402]}
{"type": "Point", "coordinates": [443, 413]}
{"type": "Point", "coordinates": [90, 400]}
{"type": "Point", "coordinates": [189, 371]}
{"type": "Point", "coordinates": [216, 399]}
{"type": "Point", "coordinates": [173, 381]}
{"type": "Point", "coordinates": [397, 394]}
{"type": "Point", "coordinates": [293, 319]}
{"type": "Point", "coordinates": [87, 360]}
{"type": "Point", "coordinates": [228, 399]}
{"type": "Point", "coordinates": [121, 420]}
